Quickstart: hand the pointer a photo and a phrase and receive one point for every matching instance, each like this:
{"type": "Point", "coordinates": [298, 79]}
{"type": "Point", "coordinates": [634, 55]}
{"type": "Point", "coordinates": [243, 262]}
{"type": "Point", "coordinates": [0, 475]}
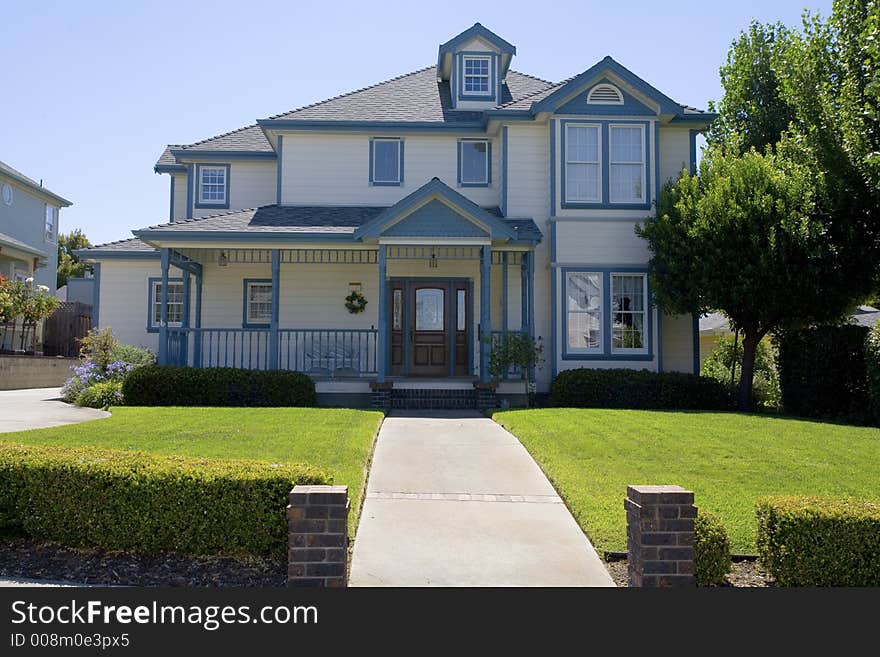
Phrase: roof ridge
{"type": "Point", "coordinates": [225, 134]}
{"type": "Point", "coordinates": [351, 93]}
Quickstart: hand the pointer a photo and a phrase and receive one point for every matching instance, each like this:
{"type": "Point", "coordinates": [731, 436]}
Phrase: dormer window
{"type": "Point", "coordinates": [476, 76]}
{"type": "Point", "coordinates": [213, 186]}
{"type": "Point", "coordinates": [605, 94]}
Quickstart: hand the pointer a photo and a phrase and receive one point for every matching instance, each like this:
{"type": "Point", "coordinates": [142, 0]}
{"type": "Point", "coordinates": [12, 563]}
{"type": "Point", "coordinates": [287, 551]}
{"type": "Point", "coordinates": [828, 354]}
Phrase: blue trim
{"type": "Point", "coordinates": [485, 309]}
{"type": "Point", "coordinates": [656, 162]}
{"type": "Point", "coordinates": [659, 339]}
{"type": "Point", "coordinates": [494, 69]}
{"type": "Point", "coordinates": [631, 106]}
{"type": "Point", "coordinates": [472, 324]}
{"type": "Point", "coordinates": [184, 346]}
{"type": "Point", "coordinates": [383, 183]}
{"type": "Point", "coordinates": [488, 182]}
{"type": "Point", "coordinates": [98, 254]}
{"type": "Point", "coordinates": [531, 297]}
{"type": "Point", "coordinates": [384, 338]}
{"type": "Point", "coordinates": [695, 329]}
{"type": "Point", "coordinates": [452, 323]}
{"type": "Point", "coordinates": [278, 169]}
{"type": "Point", "coordinates": [476, 30]}
{"type": "Point", "coordinates": [553, 179]}
{"type": "Point", "coordinates": [606, 354]}
{"type": "Point", "coordinates": [171, 207]}
{"type": "Point", "coordinates": [504, 152]}
{"type": "Point", "coordinates": [197, 338]}
{"type": "Point", "coordinates": [170, 168]}
{"type": "Point", "coordinates": [244, 300]}
{"type": "Point", "coordinates": [373, 126]}
{"type": "Point", "coordinates": [96, 294]}
{"type": "Point", "coordinates": [201, 205]}
{"type": "Point", "coordinates": [190, 184]}
{"type": "Point", "coordinates": [163, 317]}
{"type": "Point", "coordinates": [222, 156]}
{"type": "Point", "coordinates": [276, 302]}
{"type": "Point", "coordinates": [554, 300]}
{"type": "Point", "coordinates": [151, 282]}
{"type": "Point", "coordinates": [705, 119]}
{"type": "Point", "coordinates": [242, 235]}
{"type": "Point", "coordinates": [605, 165]}
{"type": "Point", "coordinates": [504, 292]}
{"type": "Point", "coordinates": [524, 292]}
{"type": "Point", "coordinates": [692, 143]}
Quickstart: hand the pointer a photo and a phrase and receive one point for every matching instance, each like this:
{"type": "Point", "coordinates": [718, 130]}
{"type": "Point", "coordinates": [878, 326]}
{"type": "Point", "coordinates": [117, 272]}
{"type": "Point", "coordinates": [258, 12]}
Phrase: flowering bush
{"type": "Point", "coordinates": [103, 394]}
{"type": "Point", "coordinates": [28, 302]}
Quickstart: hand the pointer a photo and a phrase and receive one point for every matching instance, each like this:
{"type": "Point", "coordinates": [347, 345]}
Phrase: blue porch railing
{"type": "Point", "coordinates": [318, 352]}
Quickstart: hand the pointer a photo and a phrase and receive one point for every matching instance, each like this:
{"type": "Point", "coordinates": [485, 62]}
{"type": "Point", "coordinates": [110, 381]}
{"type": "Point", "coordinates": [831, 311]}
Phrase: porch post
{"type": "Point", "coordinates": [273, 322]}
{"type": "Point", "coordinates": [382, 346]}
{"type": "Point", "coordinates": [485, 312]}
{"type": "Point", "coordinates": [524, 292]}
{"type": "Point", "coordinates": [184, 323]}
{"type": "Point", "coordinates": [163, 308]}
{"type": "Point", "coordinates": [197, 338]}
{"type": "Point", "coordinates": [504, 292]}
{"type": "Point", "coordinates": [531, 304]}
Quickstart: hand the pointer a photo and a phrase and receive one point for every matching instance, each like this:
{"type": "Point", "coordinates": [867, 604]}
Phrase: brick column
{"type": "Point", "coordinates": [382, 393]}
{"type": "Point", "coordinates": [660, 536]}
{"type": "Point", "coordinates": [317, 525]}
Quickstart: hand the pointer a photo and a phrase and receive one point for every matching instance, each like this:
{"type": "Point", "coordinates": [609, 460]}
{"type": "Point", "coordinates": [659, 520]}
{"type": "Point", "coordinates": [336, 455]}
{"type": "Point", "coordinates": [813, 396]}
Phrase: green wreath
{"type": "Point", "coordinates": [355, 302]}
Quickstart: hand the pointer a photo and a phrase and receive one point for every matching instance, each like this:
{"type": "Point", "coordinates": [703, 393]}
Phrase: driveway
{"type": "Point", "coordinates": [456, 500]}
{"type": "Point", "coordinates": [37, 408]}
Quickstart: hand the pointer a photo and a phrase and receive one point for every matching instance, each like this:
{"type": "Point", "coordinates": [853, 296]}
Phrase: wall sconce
{"type": "Point", "coordinates": [222, 259]}
{"type": "Point", "coordinates": [354, 287]}
{"type": "Point", "coordinates": [432, 263]}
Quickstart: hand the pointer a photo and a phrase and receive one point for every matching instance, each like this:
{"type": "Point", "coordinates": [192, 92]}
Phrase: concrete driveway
{"type": "Point", "coordinates": [37, 408]}
{"type": "Point", "coordinates": [456, 500]}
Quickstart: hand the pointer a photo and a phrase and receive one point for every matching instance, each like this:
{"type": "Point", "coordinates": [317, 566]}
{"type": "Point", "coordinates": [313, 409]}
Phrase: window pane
{"type": "Point", "coordinates": [582, 182]}
{"type": "Point", "coordinates": [259, 303]}
{"type": "Point", "coordinates": [626, 145]}
{"type": "Point", "coordinates": [397, 310]}
{"type": "Point", "coordinates": [582, 144]}
{"type": "Point", "coordinates": [175, 303]}
{"type": "Point", "coordinates": [386, 160]}
{"type": "Point", "coordinates": [625, 182]}
{"type": "Point", "coordinates": [474, 156]}
{"type": "Point", "coordinates": [461, 308]}
{"type": "Point", "coordinates": [429, 309]}
{"type": "Point", "coordinates": [584, 308]}
{"type": "Point", "coordinates": [629, 311]}
{"type": "Point", "coordinates": [476, 75]}
{"type": "Point", "coordinates": [213, 184]}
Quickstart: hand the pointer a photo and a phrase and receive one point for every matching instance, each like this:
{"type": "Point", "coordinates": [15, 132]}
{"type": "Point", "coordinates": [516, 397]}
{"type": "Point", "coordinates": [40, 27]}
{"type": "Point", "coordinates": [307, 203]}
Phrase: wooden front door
{"type": "Point", "coordinates": [430, 327]}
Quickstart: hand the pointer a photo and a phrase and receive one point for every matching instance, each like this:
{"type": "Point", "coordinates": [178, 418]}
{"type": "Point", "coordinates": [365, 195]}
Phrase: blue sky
{"type": "Point", "coordinates": [92, 91]}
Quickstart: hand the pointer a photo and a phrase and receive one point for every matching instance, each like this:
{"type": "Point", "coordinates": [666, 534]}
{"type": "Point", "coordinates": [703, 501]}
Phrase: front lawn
{"type": "Point", "coordinates": [727, 459]}
{"type": "Point", "coordinates": [339, 441]}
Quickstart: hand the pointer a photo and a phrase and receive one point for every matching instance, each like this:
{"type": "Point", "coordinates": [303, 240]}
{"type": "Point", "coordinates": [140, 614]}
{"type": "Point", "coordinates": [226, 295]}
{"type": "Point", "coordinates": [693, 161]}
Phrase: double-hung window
{"type": "Point", "coordinates": [583, 176]}
{"type": "Point", "coordinates": [213, 185]}
{"type": "Point", "coordinates": [473, 163]}
{"type": "Point", "coordinates": [175, 303]}
{"type": "Point", "coordinates": [386, 161]}
{"type": "Point", "coordinates": [257, 302]}
{"type": "Point", "coordinates": [476, 76]}
{"type": "Point", "coordinates": [629, 313]}
{"type": "Point", "coordinates": [583, 291]}
{"type": "Point", "coordinates": [626, 163]}
{"type": "Point", "coordinates": [51, 223]}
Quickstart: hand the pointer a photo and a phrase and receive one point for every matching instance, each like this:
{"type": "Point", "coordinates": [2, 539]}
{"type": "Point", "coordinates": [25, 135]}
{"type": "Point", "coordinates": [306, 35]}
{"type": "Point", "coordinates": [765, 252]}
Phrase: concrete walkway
{"type": "Point", "coordinates": [37, 408]}
{"type": "Point", "coordinates": [456, 500]}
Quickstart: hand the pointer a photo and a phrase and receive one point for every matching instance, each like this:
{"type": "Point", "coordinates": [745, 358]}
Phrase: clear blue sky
{"type": "Point", "coordinates": [92, 91]}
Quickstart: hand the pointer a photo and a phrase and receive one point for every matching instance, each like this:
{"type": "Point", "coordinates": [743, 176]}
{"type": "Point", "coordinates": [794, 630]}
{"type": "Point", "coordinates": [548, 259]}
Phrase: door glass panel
{"type": "Point", "coordinates": [397, 310]}
{"type": "Point", "coordinates": [461, 311]}
{"type": "Point", "coordinates": [429, 309]}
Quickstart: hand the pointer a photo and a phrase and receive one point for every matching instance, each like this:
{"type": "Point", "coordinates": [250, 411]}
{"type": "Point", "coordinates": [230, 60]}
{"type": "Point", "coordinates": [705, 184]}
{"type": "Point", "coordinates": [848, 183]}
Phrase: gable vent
{"type": "Point", "coordinates": [605, 94]}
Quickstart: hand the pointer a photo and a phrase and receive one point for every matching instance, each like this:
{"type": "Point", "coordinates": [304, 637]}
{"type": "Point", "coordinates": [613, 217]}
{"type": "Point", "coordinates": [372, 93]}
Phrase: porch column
{"type": "Point", "coordinates": [197, 337]}
{"type": "Point", "coordinates": [504, 292]}
{"type": "Point", "coordinates": [531, 304]}
{"type": "Point", "coordinates": [524, 292]}
{"type": "Point", "coordinates": [184, 323]}
{"type": "Point", "coordinates": [485, 312]}
{"type": "Point", "coordinates": [163, 308]}
{"type": "Point", "coordinates": [382, 346]}
{"type": "Point", "coordinates": [273, 322]}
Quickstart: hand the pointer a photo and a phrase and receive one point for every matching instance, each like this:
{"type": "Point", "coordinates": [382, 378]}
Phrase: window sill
{"type": "Point", "coordinates": [248, 325]}
{"type": "Point", "coordinates": [376, 183]}
{"type": "Point", "coordinates": [474, 184]}
{"type": "Point", "coordinates": [598, 205]}
{"type": "Point", "coordinates": [200, 205]}
{"type": "Point", "coordinates": [609, 357]}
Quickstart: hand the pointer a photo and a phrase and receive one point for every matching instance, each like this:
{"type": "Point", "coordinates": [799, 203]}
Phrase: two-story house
{"type": "Point", "coordinates": [462, 200]}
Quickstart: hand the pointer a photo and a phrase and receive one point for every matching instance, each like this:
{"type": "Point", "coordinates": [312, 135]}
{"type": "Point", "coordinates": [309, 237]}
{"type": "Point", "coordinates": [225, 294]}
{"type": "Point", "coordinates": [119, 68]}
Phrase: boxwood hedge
{"type": "Point", "coordinates": [872, 363]}
{"type": "Point", "coordinates": [712, 559]}
{"type": "Point", "coordinates": [121, 500]}
{"type": "Point", "coordinates": [167, 385]}
{"type": "Point", "coordinates": [808, 541]}
{"type": "Point", "coordinates": [639, 389]}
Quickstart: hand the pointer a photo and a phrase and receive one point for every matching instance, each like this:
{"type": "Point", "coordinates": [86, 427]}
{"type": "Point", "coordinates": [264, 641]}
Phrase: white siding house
{"type": "Point", "coordinates": [462, 201]}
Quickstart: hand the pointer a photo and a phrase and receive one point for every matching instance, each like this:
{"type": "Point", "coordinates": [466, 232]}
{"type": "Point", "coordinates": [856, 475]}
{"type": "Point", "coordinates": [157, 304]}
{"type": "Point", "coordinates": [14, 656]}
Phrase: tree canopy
{"type": "Point", "coordinates": [69, 265]}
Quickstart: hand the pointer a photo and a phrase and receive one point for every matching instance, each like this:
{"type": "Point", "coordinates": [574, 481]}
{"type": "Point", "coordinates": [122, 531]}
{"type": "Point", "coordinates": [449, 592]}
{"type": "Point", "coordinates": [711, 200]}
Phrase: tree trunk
{"type": "Point", "coordinates": [747, 373]}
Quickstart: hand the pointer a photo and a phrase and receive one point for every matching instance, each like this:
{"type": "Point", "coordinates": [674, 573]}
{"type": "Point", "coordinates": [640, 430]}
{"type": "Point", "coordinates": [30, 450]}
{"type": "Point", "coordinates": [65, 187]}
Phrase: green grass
{"type": "Point", "coordinates": [727, 459]}
{"type": "Point", "coordinates": [340, 441]}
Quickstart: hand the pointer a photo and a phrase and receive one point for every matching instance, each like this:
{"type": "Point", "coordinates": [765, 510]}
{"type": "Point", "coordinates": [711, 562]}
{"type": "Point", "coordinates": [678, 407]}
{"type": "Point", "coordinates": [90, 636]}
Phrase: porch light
{"type": "Point", "coordinates": [222, 259]}
{"type": "Point", "coordinates": [432, 263]}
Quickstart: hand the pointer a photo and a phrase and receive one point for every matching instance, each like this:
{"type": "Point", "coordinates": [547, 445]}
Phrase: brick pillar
{"type": "Point", "coordinates": [382, 393]}
{"type": "Point", "coordinates": [485, 393]}
{"type": "Point", "coordinates": [660, 536]}
{"type": "Point", "coordinates": [317, 525]}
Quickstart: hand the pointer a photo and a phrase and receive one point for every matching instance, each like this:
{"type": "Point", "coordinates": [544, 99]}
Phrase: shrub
{"type": "Point", "coordinates": [98, 347]}
{"type": "Point", "coordinates": [711, 550]}
{"type": "Point", "coordinates": [166, 385]}
{"type": "Point", "coordinates": [872, 365]}
{"type": "Point", "coordinates": [765, 382]}
{"type": "Point", "coordinates": [822, 372]}
{"type": "Point", "coordinates": [103, 394]}
{"type": "Point", "coordinates": [136, 356]}
{"type": "Point", "coordinates": [120, 500]}
{"type": "Point", "coordinates": [804, 541]}
{"type": "Point", "coordinates": [640, 389]}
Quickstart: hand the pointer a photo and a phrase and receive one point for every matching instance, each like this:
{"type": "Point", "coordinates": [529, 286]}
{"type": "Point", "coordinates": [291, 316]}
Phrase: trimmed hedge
{"type": "Point", "coordinates": [120, 500]}
{"type": "Point", "coordinates": [712, 559]}
{"type": "Point", "coordinates": [167, 385]}
{"type": "Point", "coordinates": [639, 389]}
{"type": "Point", "coordinates": [806, 541]}
{"type": "Point", "coordinates": [872, 364]}
{"type": "Point", "coordinates": [822, 372]}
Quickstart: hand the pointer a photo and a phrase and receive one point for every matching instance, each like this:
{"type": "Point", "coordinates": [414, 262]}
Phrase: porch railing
{"type": "Point", "coordinates": [317, 352]}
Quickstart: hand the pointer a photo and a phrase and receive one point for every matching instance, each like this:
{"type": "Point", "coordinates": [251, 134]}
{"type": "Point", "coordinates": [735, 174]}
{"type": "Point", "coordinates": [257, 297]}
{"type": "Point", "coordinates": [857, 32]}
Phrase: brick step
{"type": "Point", "coordinates": [422, 398]}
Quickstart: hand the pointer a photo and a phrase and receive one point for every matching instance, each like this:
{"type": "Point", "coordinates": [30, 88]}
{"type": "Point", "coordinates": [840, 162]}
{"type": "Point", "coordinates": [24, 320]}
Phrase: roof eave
{"type": "Point", "coordinates": [38, 189]}
{"type": "Point", "coordinates": [357, 125]}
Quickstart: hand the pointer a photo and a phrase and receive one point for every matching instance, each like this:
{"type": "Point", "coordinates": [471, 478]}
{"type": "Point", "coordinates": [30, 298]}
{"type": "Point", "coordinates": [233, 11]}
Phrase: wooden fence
{"type": "Point", "coordinates": [65, 328]}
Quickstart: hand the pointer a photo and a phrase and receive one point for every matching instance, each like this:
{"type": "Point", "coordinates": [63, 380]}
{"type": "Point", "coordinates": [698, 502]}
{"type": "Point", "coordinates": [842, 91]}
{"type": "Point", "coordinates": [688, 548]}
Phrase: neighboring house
{"type": "Point", "coordinates": [714, 326]}
{"type": "Point", "coordinates": [28, 228]}
{"type": "Point", "coordinates": [462, 200]}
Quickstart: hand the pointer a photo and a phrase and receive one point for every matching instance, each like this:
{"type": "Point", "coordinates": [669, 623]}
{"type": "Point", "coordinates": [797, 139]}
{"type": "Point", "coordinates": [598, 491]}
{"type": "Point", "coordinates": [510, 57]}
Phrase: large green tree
{"type": "Point", "coordinates": [743, 238]}
{"type": "Point", "coordinates": [69, 265]}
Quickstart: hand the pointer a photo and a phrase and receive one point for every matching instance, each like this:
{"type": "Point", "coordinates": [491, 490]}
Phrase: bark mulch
{"type": "Point", "coordinates": [744, 574]}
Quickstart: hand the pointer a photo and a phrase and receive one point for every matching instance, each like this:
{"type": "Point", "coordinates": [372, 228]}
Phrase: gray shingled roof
{"type": "Point", "coordinates": [304, 220]}
{"type": "Point", "coordinates": [249, 138]}
{"type": "Point", "coordinates": [414, 97]}
{"type": "Point", "coordinates": [30, 183]}
{"type": "Point", "coordinates": [10, 241]}
{"type": "Point", "coordinates": [122, 246]}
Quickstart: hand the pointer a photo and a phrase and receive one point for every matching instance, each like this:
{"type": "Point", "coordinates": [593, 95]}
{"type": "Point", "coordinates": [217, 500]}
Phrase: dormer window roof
{"type": "Point", "coordinates": [466, 41]}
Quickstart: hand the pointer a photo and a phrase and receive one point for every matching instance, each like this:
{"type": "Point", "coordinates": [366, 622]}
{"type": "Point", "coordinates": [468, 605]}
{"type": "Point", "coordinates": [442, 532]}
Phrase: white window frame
{"type": "Point", "coordinates": [396, 180]}
{"type": "Point", "coordinates": [485, 180]}
{"type": "Point", "coordinates": [487, 76]}
{"type": "Point", "coordinates": [598, 163]}
{"type": "Point", "coordinates": [644, 349]}
{"type": "Point", "coordinates": [631, 201]}
{"type": "Point", "coordinates": [203, 168]}
{"type": "Point", "coordinates": [600, 348]}
{"type": "Point", "coordinates": [51, 228]}
{"type": "Point", "coordinates": [250, 319]}
{"type": "Point", "coordinates": [156, 321]}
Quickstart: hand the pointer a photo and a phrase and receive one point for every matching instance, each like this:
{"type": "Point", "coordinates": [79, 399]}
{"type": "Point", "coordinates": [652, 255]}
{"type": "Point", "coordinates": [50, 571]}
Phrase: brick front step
{"type": "Point", "coordinates": [428, 398]}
